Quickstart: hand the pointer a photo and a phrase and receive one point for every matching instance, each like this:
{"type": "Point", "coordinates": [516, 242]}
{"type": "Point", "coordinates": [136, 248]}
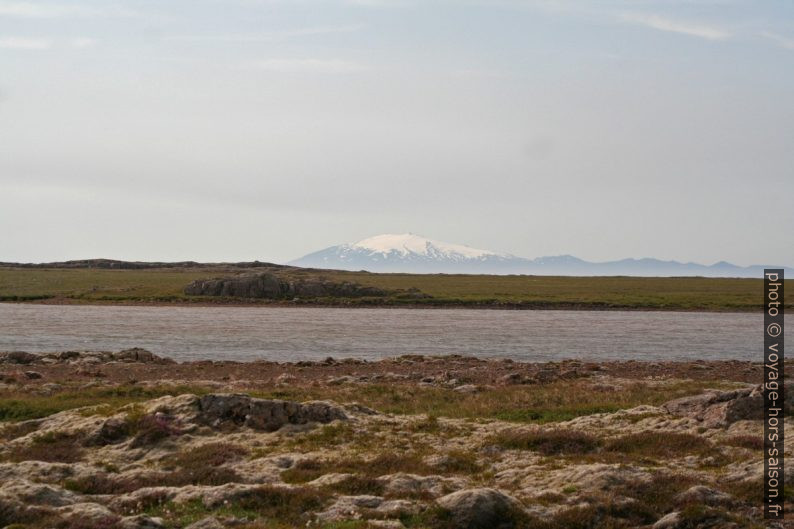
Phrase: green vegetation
{"type": "Point", "coordinates": [84, 285]}
{"type": "Point", "coordinates": [271, 507]}
{"type": "Point", "coordinates": [548, 442]}
{"type": "Point", "coordinates": [546, 403]}
{"type": "Point", "coordinates": [50, 447]}
{"type": "Point", "coordinates": [660, 444]}
{"type": "Point", "coordinates": [24, 406]}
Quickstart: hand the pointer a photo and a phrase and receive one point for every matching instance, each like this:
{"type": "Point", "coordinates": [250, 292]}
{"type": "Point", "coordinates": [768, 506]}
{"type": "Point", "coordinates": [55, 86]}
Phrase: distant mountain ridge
{"type": "Point", "coordinates": [410, 253]}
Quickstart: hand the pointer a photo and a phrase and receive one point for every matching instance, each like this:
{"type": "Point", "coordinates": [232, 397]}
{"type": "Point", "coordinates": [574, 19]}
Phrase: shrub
{"type": "Point", "coordinates": [557, 441]}
{"type": "Point", "coordinates": [357, 485]}
{"type": "Point", "coordinates": [210, 454]}
{"type": "Point", "coordinates": [150, 429]}
{"type": "Point", "coordinates": [659, 444]}
{"type": "Point", "coordinates": [287, 505]}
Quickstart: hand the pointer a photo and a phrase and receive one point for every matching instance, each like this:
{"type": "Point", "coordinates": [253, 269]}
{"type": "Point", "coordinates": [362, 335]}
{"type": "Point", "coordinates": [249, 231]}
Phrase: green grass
{"type": "Point", "coordinates": [24, 406]}
{"type": "Point", "coordinates": [166, 285]}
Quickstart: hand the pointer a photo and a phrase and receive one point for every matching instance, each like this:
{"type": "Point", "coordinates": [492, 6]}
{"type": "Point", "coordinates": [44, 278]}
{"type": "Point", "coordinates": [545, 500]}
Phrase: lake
{"type": "Point", "coordinates": [289, 334]}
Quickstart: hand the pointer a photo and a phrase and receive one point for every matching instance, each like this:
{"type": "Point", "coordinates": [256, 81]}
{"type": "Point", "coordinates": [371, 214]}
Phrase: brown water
{"type": "Point", "coordinates": [286, 334]}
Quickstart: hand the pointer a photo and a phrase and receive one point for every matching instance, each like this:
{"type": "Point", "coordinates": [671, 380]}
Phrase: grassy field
{"type": "Point", "coordinates": [166, 285]}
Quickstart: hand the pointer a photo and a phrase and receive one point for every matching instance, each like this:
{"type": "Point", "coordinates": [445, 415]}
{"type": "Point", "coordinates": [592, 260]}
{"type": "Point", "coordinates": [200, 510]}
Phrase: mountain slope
{"type": "Point", "coordinates": [409, 253]}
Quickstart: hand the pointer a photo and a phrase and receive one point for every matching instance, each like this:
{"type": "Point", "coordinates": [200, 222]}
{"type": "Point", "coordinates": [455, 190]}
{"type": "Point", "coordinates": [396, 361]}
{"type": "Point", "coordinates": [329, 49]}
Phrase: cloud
{"type": "Point", "coordinates": [665, 24]}
{"type": "Point", "coordinates": [378, 3]}
{"type": "Point", "coordinates": [784, 42]}
{"type": "Point", "coordinates": [82, 42]}
{"type": "Point", "coordinates": [45, 10]}
{"type": "Point", "coordinates": [270, 35]}
{"type": "Point", "coordinates": [323, 66]}
{"type": "Point", "coordinates": [24, 43]}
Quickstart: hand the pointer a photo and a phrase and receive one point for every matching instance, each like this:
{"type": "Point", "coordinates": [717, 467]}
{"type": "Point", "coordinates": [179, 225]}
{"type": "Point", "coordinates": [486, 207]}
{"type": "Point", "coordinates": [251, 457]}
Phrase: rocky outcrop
{"type": "Point", "coordinates": [718, 409]}
{"type": "Point", "coordinates": [263, 414]}
{"type": "Point", "coordinates": [270, 286]}
{"type": "Point", "coordinates": [134, 355]}
{"type": "Point", "coordinates": [483, 508]}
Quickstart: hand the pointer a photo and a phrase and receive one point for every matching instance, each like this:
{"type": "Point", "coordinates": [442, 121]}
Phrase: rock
{"type": "Point", "coordinates": [338, 381]}
{"type": "Point", "coordinates": [65, 356]}
{"type": "Point", "coordinates": [37, 493]}
{"type": "Point", "coordinates": [33, 375]}
{"type": "Point", "coordinates": [668, 521]}
{"type": "Point", "coordinates": [330, 480]}
{"type": "Point", "coordinates": [513, 378]}
{"type": "Point", "coordinates": [263, 414]}
{"type": "Point", "coordinates": [209, 522]}
{"type": "Point", "coordinates": [403, 485]}
{"type": "Point", "coordinates": [718, 409]}
{"type": "Point", "coordinates": [483, 508]}
{"type": "Point", "coordinates": [702, 495]}
{"type": "Point", "coordinates": [143, 522]}
{"type": "Point", "coordinates": [546, 375]}
{"type": "Point", "coordinates": [136, 354]}
{"type": "Point", "coordinates": [270, 286]}
{"type": "Point", "coordinates": [19, 357]}
{"type": "Point", "coordinates": [89, 515]}
{"type": "Point", "coordinates": [351, 507]}
{"type": "Point", "coordinates": [467, 388]}
{"type": "Point", "coordinates": [355, 407]}
{"type": "Point", "coordinates": [386, 524]}
{"type": "Point", "coordinates": [113, 430]}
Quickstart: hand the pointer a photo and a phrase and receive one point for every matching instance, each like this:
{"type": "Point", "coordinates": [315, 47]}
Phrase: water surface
{"type": "Point", "coordinates": [288, 334]}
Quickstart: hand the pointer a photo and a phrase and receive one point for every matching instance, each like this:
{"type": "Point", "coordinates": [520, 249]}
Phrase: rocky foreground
{"type": "Point", "coordinates": [131, 440]}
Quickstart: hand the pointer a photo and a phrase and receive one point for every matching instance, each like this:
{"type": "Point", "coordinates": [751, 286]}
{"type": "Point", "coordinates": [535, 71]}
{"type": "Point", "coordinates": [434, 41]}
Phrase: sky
{"type": "Point", "coordinates": [236, 130]}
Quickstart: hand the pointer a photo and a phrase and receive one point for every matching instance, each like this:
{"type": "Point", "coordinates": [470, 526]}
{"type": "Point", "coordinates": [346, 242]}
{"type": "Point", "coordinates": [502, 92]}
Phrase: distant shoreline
{"type": "Point", "coordinates": [167, 287]}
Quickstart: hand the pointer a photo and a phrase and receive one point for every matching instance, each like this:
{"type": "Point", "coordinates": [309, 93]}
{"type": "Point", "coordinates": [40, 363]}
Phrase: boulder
{"type": "Point", "coordinates": [482, 508]}
{"type": "Point", "coordinates": [702, 495]}
{"type": "Point", "coordinates": [263, 414]}
{"type": "Point", "coordinates": [30, 493]}
{"type": "Point", "coordinates": [718, 409]}
{"type": "Point", "coordinates": [19, 357]}
{"type": "Point", "coordinates": [668, 521]}
{"type": "Point", "coordinates": [112, 430]}
{"type": "Point", "coordinates": [136, 354]}
{"type": "Point", "coordinates": [142, 522]}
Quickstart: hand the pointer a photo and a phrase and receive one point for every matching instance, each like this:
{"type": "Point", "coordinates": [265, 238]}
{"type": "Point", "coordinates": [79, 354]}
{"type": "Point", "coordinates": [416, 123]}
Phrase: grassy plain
{"type": "Point", "coordinates": [91, 285]}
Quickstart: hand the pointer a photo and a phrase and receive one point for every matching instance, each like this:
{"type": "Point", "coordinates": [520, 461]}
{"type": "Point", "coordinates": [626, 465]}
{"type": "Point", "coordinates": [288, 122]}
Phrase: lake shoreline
{"type": "Point", "coordinates": [475, 305]}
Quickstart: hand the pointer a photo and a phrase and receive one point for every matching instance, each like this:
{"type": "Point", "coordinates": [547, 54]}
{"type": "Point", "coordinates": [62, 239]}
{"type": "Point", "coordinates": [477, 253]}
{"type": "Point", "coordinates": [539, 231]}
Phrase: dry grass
{"type": "Point", "coordinates": [51, 447]}
{"type": "Point", "coordinates": [558, 401]}
{"type": "Point", "coordinates": [660, 444]}
{"type": "Point", "coordinates": [751, 442]}
{"type": "Point", "coordinates": [552, 442]}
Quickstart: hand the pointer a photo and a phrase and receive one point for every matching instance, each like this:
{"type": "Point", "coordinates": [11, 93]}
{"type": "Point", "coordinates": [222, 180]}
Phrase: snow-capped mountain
{"type": "Point", "coordinates": [411, 253]}
{"type": "Point", "coordinates": [408, 245]}
{"type": "Point", "coordinates": [404, 252]}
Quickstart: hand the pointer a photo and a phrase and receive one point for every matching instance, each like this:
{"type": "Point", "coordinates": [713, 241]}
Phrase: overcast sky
{"type": "Point", "coordinates": [265, 129]}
